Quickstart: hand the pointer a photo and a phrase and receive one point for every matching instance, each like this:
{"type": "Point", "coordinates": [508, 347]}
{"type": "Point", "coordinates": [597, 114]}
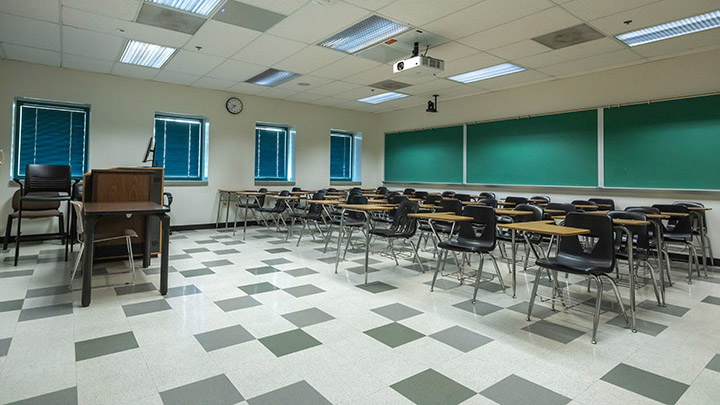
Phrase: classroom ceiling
{"type": "Point", "coordinates": [468, 35]}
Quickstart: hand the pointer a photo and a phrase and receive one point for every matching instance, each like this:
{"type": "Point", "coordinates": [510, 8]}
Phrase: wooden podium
{"type": "Point", "coordinates": [125, 184]}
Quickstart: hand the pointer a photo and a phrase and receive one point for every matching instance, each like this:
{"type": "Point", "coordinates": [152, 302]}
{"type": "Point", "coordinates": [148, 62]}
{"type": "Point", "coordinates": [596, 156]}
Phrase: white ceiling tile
{"type": "Point", "coordinates": [176, 77]}
{"type": "Point", "coordinates": [115, 26]}
{"type": "Point", "coordinates": [304, 97]}
{"type": "Point", "coordinates": [193, 62]}
{"type": "Point", "coordinates": [461, 90]}
{"type": "Point", "coordinates": [370, 4]}
{"type": "Point", "coordinates": [546, 21]}
{"type": "Point", "coordinates": [593, 9]}
{"type": "Point", "coordinates": [212, 83]}
{"type": "Point", "coordinates": [138, 72]}
{"type": "Point", "coordinates": [422, 12]}
{"type": "Point", "coordinates": [584, 50]}
{"type": "Point", "coordinates": [279, 6]}
{"type": "Point", "coordinates": [329, 101]}
{"type": "Point", "coordinates": [653, 14]}
{"type": "Point", "coordinates": [122, 9]}
{"type": "Point", "coordinates": [513, 80]}
{"type": "Point", "coordinates": [684, 44]}
{"type": "Point", "coordinates": [311, 58]}
{"type": "Point", "coordinates": [220, 39]}
{"type": "Point", "coordinates": [46, 10]}
{"type": "Point", "coordinates": [29, 32]}
{"type": "Point", "coordinates": [451, 51]}
{"type": "Point", "coordinates": [334, 88]}
{"type": "Point", "coordinates": [361, 92]}
{"type": "Point", "coordinates": [313, 22]}
{"type": "Point", "coordinates": [91, 44]}
{"type": "Point", "coordinates": [358, 106]}
{"type": "Point", "coordinates": [276, 92]}
{"type": "Point", "coordinates": [485, 15]}
{"type": "Point", "coordinates": [236, 70]}
{"type": "Point", "coordinates": [268, 50]}
{"type": "Point", "coordinates": [247, 88]}
{"type": "Point", "coordinates": [345, 67]}
{"type": "Point", "coordinates": [312, 82]}
{"type": "Point", "coordinates": [593, 63]}
{"type": "Point", "coordinates": [32, 55]}
{"type": "Point", "coordinates": [85, 63]}
{"type": "Point", "coordinates": [374, 75]}
{"type": "Point", "coordinates": [518, 50]}
{"type": "Point", "coordinates": [470, 63]}
{"type": "Point", "coordinates": [430, 87]}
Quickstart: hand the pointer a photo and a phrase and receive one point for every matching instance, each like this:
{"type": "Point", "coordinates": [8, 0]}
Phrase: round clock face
{"type": "Point", "coordinates": [234, 105]}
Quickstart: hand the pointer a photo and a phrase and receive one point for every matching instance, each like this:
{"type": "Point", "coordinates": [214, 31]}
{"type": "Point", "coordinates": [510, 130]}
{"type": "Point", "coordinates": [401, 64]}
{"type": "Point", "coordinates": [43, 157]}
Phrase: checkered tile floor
{"type": "Point", "coordinates": [262, 321]}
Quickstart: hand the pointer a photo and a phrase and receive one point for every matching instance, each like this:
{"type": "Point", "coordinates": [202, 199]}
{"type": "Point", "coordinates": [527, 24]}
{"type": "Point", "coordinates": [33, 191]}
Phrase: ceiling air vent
{"type": "Point", "coordinates": [391, 85]}
{"type": "Point", "coordinates": [568, 36]}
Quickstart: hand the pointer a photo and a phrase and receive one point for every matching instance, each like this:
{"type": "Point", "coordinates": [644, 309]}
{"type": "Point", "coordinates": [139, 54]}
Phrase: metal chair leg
{"type": "Point", "coordinates": [437, 269]}
{"type": "Point", "coordinates": [77, 264]}
{"type": "Point", "coordinates": [329, 235]}
{"type": "Point", "coordinates": [477, 278]}
{"type": "Point", "coordinates": [130, 257]}
{"type": "Point", "coordinates": [302, 231]}
{"type": "Point", "coordinates": [347, 244]}
{"type": "Point", "coordinates": [533, 294]}
{"type": "Point", "coordinates": [598, 303]}
{"type": "Point", "coordinates": [497, 271]}
{"type": "Point", "coordinates": [416, 254]}
{"type": "Point", "coordinates": [392, 250]}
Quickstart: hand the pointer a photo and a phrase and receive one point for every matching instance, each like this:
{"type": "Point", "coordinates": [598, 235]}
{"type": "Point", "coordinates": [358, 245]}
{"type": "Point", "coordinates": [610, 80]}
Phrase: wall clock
{"type": "Point", "coordinates": [234, 105]}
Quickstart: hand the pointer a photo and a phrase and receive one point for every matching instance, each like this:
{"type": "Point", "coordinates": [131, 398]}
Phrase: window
{"type": "Point", "coordinates": [273, 153]}
{"type": "Point", "coordinates": [180, 147]}
{"type": "Point", "coordinates": [50, 133]}
{"type": "Point", "coordinates": [344, 156]}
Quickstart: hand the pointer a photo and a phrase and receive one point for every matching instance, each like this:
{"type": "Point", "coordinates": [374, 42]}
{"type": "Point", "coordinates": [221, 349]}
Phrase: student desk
{"type": "Point", "coordinates": [248, 195]}
{"type": "Point", "coordinates": [95, 211]}
{"type": "Point", "coordinates": [509, 204]}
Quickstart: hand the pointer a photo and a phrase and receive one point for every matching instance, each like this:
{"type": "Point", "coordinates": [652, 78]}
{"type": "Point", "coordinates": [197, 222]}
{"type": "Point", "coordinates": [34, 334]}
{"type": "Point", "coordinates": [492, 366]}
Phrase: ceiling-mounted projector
{"type": "Point", "coordinates": [419, 65]}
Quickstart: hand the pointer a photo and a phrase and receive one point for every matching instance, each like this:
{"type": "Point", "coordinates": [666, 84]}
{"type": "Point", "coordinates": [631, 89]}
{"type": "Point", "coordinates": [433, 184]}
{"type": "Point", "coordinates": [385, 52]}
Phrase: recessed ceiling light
{"type": "Point", "coordinates": [272, 77]}
{"type": "Point", "coordinates": [487, 73]}
{"type": "Point", "coordinates": [202, 7]}
{"type": "Point", "coordinates": [381, 98]}
{"type": "Point", "coordinates": [672, 29]}
{"type": "Point", "coordinates": [368, 32]}
{"type": "Point", "coordinates": [144, 54]}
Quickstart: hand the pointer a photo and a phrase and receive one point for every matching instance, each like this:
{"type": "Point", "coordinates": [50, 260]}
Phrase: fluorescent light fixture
{"type": "Point", "coordinates": [366, 33]}
{"type": "Point", "coordinates": [672, 29]}
{"type": "Point", "coordinates": [201, 7]}
{"type": "Point", "coordinates": [487, 73]}
{"type": "Point", "coordinates": [144, 54]}
{"type": "Point", "coordinates": [272, 77]}
{"type": "Point", "coordinates": [381, 98]}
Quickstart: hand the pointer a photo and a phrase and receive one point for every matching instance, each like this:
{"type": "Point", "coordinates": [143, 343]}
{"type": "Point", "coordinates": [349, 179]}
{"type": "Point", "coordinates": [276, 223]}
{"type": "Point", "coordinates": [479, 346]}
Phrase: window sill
{"type": "Point", "coordinates": [192, 183]}
{"type": "Point", "coordinates": [345, 183]}
{"type": "Point", "coordinates": [274, 183]}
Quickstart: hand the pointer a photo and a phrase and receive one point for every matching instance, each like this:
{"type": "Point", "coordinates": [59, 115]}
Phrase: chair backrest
{"type": "Point", "coordinates": [604, 201]}
{"type": "Point", "coordinates": [355, 192]}
{"type": "Point", "coordinates": [487, 194]}
{"type": "Point", "coordinates": [77, 191]}
{"type": "Point", "coordinates": [421, 194]}
{"type": "Point", "coordinates": [402, 224]}
{"type": "Point", "coordinates": [280, 204]}
{"type": "Point", "coordinates": [316, 209]}
{"type": "Point", "coordinates": [448, 193]}
{"type": "Point", "coordinates": [454, 206]}
{"type": "Point", "coordinates": [585, 202]}
{"type": "Point", "coordinates": [537, 213]}
{"type": "Point", "coordinates": [296, 189]}
{"type": "Point", "coordinates": [332, 190]}
{"type": "Point", "coordinates": [541, 199]}
{"type": "Point", "coordinates": [601, 256]}
{"type": "Point", "coordinates": [396, 199]}
{"type": "Point", "coordinates": [356, 189]}
{"type": "Point", "coordinates": [356, 199]}
{"type": "Point", "coordinates": [33, 205]}
{"type": "Point", "coordinates": [643, 210]}
{"type": "Point", "coordinates": [516, 200]}
{"type": "Point", "coordinates": [433, 199]}
{"type": "Point", "coordinates": [322, 191]}
{"type": "Point", "coordinates": [409, 191]}
{"type": "Point", "coordinates": [53, 178]}
{"type": "Point", "coordinates": [490, 202]}
{"type": "Point", "coordinates": [696, 205]}
{"type": "Point", "coordinates": [483, 218]}
{"type": "Point", "coordinates": [261, 198]}
{"type": "Point", "coordinates": [677, 225]}
{"type": "Point", "coordinates": [463, 197]}
{"type": "Point", "coordinates": [79, 217]}
{"type": "Point", "coordinates": [641, 233]}
{"type": "Point", "coordinates": [382, 190]}
{"type": "Point", "coordinates": [567, 208]}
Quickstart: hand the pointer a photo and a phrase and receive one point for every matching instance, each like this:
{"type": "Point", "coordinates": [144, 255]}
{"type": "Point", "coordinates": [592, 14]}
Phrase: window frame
{"type": "Point", "coordinates": [15, 146]}
{"type": "Point", "coordinates": [289, 158]}
{"type": "Point", "coordinates": [351, 162]}
{"type": "Point", "coordinates": [203, 146]}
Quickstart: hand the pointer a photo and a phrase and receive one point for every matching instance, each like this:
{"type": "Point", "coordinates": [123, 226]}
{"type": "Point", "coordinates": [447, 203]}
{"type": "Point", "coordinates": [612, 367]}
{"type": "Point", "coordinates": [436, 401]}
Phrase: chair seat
{"type": "Point", "coordinates": [444, 227]}
{"type": "Point", "coordinates": [467, 245]}
{"type": "Point", "coordinates": [37, 214]}
{"type": "Point", "coordinates": [309, 217]}
{"type": "Point", "coordinates": [677, 237]}
{"type": "Point", "coordinates": [272, 210]}
{"type": "Point", "coordinates": [348, 222]}
{"type": "Point", "coordinates": [586, 266]}
{"type": "Point", "coordinates": [388, 233]}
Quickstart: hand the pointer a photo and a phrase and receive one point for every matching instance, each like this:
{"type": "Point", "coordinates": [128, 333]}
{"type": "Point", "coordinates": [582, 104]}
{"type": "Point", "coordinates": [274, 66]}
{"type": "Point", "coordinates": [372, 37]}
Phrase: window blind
{"type": "Point", "coordinates": [271, 153]}
{"type": "Point", "coordinates": [178, 147]}
{"type": "Point", "coordinates": [341, 153]}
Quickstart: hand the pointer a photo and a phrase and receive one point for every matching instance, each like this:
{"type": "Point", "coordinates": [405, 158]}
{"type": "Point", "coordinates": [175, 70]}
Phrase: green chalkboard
{"type": "Point", "coordinates": [669, 144]}
{"type": "Point", "coordinates": [550, 150]}
{"type": "Point", "coordinates": [425, 156]}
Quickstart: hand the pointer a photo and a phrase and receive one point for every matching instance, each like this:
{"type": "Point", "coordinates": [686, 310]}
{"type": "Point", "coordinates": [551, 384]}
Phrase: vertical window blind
{"type": "Point", "coordinates": [271, 153]}
{"type": "Point", "coordinates": [179, 147]}
{"type": "Point", "coordinates": [341, 145]}
{"type": "Point", "coordinates": [51, 134]}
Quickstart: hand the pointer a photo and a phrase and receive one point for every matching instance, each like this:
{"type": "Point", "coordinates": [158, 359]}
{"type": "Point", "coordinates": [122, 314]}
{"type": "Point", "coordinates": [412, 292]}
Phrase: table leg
{"type": "Point", "coordinates": [661, 261]}
{"type": "Point", "coordinates": [164, 253]}
{"type": "Point", "coordinates": [217, 217]}
{"type": "Point", "coordinates": [703, 248]}
{"type": "Point", "coordinates": [513, 249]}
{"type": "Point", "coordinates": [367, 244]}
{"type": "Point", "coordinates": [340, 232]}
{"type": "Point", "coordinates": [147, 248]}
{"type": "Point", "coordinates": [227, 210]}
{"type": "Point", "coordinates": [247, 203]}
{"type": "Point", "coordinates": [89, 241]}
{"type": "Point", "coordinates": [631, 264]}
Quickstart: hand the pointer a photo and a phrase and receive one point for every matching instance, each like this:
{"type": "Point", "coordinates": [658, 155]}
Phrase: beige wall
{"type": "Point", "coordinates": [122, 112]}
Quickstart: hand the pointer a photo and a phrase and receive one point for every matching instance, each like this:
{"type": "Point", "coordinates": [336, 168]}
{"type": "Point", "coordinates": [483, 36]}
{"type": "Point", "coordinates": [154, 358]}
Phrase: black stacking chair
{"type": "Point", "coordinates": [462, 197]}
{"type": "Point", "coordinates": [448, 205]}
{"type": "Point", "coordinates": [388, 217]}
{"type": "Point", "coordinates": [540, 199]}
{"type": "Point", "coordinates": [433, 199]}
{"type": "Point", "coordinates": [44, 184]}
{"type": "Point", "coordinates": [585, 202]}
{"type": "Point", "coordinates": [313, 214]}
{"type": "Point", "coordinates": [470, 240]}
{"type": "Point", "coordinates": [490, 202]}
{"type": "Point", "coordinates": [352, 220]}
{"type": "Point", "coordinates": [604, 201]}
{"type": "Point", "coordinates": [275, 212]}
{"type": "Point", "coordinates": [487, 194]}
{"type": "Point", "coordinates": [382, 190]}
{"type": "Point", "coordinates": [534, 239]}
{"type": "Point", "coordinates": [640, 246]}
{"type": "Point", "coordinates": [33, 210]}
{"type": "Point", "coordinates": [679, 231]}
{"type": "Point", "coordinates": [574, 258]}
{"type": "Point", "coordinates": [448, 194]}
{"type": "Point", "coordinates": [421, 194]}
{"type": "Point", "coordinates": [516, 200]}
{"type": "Point", "coordinates": [651, 232]}
{"type": "Point", "coordinates": [403, 227]}
{"type": "Point", "coordinates": [700, 229]}
{"type": "Point", "coordinates": [332, 190]}
{"type": "Point", "coordinates": [566, 208]}
{"type": "Point", "coordinates": [409, 192]}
